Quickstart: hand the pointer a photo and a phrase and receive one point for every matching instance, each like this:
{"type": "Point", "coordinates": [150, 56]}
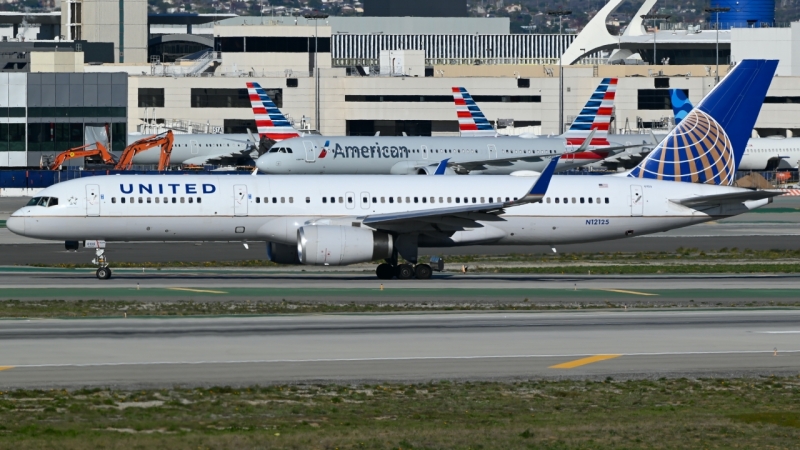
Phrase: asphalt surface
{"type": "Point", "coordinates": [261, 350]}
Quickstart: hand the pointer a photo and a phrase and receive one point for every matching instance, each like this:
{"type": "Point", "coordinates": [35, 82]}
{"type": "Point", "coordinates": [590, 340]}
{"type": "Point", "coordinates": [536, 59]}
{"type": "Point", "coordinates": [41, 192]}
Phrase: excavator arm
{"type": "Point", "coordinates": [83, 152]}
{"type": "Point", "coordinates": [165, 140]}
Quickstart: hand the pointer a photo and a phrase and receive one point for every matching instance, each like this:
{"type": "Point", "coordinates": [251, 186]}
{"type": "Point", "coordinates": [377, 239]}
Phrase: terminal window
{"type": "Point", "coordinates": [151, 97]}
{"type": "Point", "coordinates": [230, 98]}
{"type": "Point", "coordinates": [12, 137]}
{"type": "Point", "coordinates": [656, 99]}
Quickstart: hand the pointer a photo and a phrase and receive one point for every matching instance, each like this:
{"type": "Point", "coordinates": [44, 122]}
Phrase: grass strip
{"type": "Point", "coordinates": [666, 413]}
{"type": "Point", "coordinates": [528, 300]}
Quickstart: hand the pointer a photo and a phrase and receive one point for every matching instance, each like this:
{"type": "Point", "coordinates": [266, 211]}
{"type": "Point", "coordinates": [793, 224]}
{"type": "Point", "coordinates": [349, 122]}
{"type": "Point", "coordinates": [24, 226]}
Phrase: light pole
{"type": "Point", "coordinates": [655, 17]}
{"type": "Point", "coordinates": [716, 26]}
{"type": "Point", "coordinates": [316, 16]}
{"type": "Point", "coordinates": [560, 13]}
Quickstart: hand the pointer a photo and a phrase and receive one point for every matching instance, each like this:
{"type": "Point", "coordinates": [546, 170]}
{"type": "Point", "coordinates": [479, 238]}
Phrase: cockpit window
{"type": "Point", "coordinates": [43, 201]}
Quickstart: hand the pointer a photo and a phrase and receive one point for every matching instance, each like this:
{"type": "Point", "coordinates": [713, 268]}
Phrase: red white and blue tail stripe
{"type": "Point", "coordinates": [596, 115]}
{"type": "Point", "coordinates": [471, 121]}
{"type": "Point", "coordinates": [270, 121]}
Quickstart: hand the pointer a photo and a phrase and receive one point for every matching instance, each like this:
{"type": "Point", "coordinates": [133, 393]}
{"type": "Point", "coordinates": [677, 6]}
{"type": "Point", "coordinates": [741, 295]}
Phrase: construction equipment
{"type": "Point", "coordinates": [165, 140]}
{"type": "Point", "coordinates": [82, 152]}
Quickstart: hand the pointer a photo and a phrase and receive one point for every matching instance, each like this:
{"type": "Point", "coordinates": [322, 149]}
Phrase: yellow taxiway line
{"type": "Point", "coordinates": [197, 290]}
{"type": "Point", "coordinates": [583, 361]}
{"type": "Point", "coordinates": [2, 368]}
{"type": "Point", "coordinates": [626, 292]}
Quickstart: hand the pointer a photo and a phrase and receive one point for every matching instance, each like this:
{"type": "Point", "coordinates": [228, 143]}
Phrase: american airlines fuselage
{"type": "Point", "coordinates": [414, 155]}
{"type": "Point", "coordinates": [272, 208]}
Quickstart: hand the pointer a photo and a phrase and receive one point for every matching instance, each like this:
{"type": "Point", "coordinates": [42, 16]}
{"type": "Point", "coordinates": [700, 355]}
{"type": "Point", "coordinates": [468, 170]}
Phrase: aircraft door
{"type": "Point", "coordinates": [240, 200]}
{"type": "Point", "coordinates": [492, 152]}
{"type": "Point", "coordinates": [92, 200]}
{"type": "Point", "coordinates": [195, 147]}
{"type": "Point", "coordinates": [351, 200]}
{"type": "Point", "coordinates": [364, 200]}
{"type": "Point", "coordinates": [637, 201]}
{"type": "Point", "coordinates": [310, 156]}
{"type": "Point", "coordinates": [424, 150]}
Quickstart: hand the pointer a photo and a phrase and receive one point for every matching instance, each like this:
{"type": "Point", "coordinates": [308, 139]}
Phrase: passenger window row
{"type": "Point", "coordinates": [575, 200]}
{"type": "Point", "coordinates": [156, 200]}
{"type": "Point", "coordinates": [275, 200]}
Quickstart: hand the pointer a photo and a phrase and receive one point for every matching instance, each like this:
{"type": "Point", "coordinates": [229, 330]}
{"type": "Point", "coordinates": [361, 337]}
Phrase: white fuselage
{"type": "Point", "coordinates": [771, 153]}
{"type": "Point", "coordinates": [271, 208]}
{"type": "Point", "coordinates": [195, 148]}
{"type": "Point", "coordinates": [392, 155]}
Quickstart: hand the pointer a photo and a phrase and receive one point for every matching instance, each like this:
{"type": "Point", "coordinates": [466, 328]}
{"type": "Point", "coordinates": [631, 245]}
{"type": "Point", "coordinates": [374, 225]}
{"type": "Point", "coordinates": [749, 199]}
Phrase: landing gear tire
{"type": "Point", "coordinates": [405, 271]}
{"type": "Point", "coordinates": [423, 271]}
{"type": "Point", "coordinates": [385, 271]}
{"type": "Point", "coordinates": [103, 273]}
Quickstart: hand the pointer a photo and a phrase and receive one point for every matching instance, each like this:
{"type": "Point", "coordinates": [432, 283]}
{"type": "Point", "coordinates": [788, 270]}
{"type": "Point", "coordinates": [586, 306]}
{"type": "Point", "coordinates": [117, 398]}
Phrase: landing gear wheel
{"type": "Point", "coordinates": [385, 271]}
{"type": "Point", "coordinates": [405, 271]}
{"type": "Point", "coordinates": [103, 273]}
{"type": "Point", "coordinates": [423, 271]}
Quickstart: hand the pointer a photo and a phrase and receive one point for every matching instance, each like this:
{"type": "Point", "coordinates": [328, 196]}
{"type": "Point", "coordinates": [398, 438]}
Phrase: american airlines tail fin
{"type": "Point", "coordinates": [595, 115]}
{"type": "Point", "coordinates": [708, 144]}
{"type": "Point", "coordinates": [680, 104]}
{"type": "Point", "coordinates": [471, 121]}
{"type": "Point", "coordinates": [270, 121]}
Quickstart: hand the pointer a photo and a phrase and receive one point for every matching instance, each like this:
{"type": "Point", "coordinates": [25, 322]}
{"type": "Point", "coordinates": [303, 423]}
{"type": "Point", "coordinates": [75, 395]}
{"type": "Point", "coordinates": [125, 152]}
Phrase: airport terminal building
{"type": "Point", "coordinates": [366, 75]}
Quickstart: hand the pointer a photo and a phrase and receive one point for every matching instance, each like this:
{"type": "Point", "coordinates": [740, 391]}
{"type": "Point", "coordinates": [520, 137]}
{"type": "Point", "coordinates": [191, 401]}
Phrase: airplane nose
{"type": "Point", "coordinates": [16, 225]}
{"type": "Point", "coordinates": [261, 163]}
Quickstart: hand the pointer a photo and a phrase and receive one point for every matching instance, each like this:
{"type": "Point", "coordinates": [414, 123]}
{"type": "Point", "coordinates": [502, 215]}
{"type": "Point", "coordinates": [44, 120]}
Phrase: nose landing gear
{"type": "Point", "coordinates": [103, 271]}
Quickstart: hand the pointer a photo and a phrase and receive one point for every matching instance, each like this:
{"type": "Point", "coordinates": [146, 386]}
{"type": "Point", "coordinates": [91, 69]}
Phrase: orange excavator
{"type": "Point", "coordinates": [83, 152]}
{"type": "Point", "coordinates": [165, 140]}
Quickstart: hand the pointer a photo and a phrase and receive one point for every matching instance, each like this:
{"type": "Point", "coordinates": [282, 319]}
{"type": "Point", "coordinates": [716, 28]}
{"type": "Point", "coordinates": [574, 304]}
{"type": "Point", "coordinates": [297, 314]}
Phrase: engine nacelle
{"type": "Point", "coordinates": [431, 170]}
{"type": "Point", "coordinates": [282, 253]}
{"type": "Point", "coordinates": [327, 245]}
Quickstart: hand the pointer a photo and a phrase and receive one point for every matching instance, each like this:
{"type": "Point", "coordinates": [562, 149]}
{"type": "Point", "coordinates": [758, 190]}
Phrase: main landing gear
{"type": "Point", "coordinates": [387, 271]}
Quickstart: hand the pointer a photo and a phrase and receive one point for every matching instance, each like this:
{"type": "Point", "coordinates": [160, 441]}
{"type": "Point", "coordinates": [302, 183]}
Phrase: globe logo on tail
{"type": "Point", "coordinates": [698, 150]}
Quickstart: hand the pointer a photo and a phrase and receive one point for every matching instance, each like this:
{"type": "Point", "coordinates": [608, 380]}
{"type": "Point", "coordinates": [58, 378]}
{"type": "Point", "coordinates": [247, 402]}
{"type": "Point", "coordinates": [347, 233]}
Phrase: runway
{"type": "Point", "coordinates": [402, 347]}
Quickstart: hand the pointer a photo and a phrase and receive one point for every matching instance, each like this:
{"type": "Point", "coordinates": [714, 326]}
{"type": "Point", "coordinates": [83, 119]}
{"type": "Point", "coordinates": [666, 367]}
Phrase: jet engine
{"type": "Point", "coordinates": [327, 245]}
{"type": "Point", "coordinates": [431, 170]}
{"type": "Point", "coordinates": [282, 253]}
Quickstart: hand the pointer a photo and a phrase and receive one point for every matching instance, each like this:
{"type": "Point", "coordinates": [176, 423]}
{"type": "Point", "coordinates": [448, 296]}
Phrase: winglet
{"type": "Point", "coordinates": [539, 188]}
{"type": "Point", "coordinates": [440, 169]}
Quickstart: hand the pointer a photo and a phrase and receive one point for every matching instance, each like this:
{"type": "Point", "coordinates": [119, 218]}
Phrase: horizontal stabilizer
{"type": "Point", "coordinates": [733, 197]}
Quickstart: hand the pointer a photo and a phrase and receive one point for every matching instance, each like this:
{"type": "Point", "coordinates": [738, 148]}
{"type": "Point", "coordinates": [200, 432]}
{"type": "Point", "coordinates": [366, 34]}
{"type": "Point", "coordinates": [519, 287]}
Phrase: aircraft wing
{"type": "Point", "coordinates": [719, 199]}
{"type": "Point", "coordinates": [459, 217]}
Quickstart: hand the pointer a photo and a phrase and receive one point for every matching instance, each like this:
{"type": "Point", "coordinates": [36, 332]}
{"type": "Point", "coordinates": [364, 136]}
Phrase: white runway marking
{"type": "Point", "coordinates": [778, 332]}
{"type": "Point", "coordinates": [406, 358]}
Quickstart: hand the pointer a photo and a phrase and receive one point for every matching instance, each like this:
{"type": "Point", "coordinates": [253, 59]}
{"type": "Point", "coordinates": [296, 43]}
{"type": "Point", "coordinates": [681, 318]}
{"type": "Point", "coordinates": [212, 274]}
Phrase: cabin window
{"type": "Point", "coordinates": [308, 199]}
{"type": "Point", "coordinates": [274, 199]}
{"type": "Point", "coordinates": [283, 199]}
{"type": "Point", "coordinates": [149, 200]}
{"type": "Point", "coordinates": [557, 199]}
{"type": "Point", "coordinates": [291, 199]}
{"type": "Point", "coordinates": [258, 199]}
{"type": "Point", "coordinates": [507, 199]}
{"type": "Point", "coordinates": [441, 199]}
{"type": "Point", "coordinates": [598, 200]}
{"type": "Point", "coordinates": [349, 199]}
{"type": "Point", "coordinates": [391, 199]}
{"type": "Point", "coordinates": [183, 199]}
{"type": "Point", "coordinates": [474, 200]}
{"type": "Point", "coordinates": [122, 199]}
{"type": "Point", "coordinates": [341, 199]}
{"type": "Point", "coordinates": [449, 200]}
{"type": "Point", "coordinates": [548, 199]}
{"type": "Point", "coordinates": [364, 199]}
{"type": "Point", "coordinates": [158, 199]}
{"type": "Point", "coordinates": [433, 199]}
{"type": "Point", "coordinates": [491, 199]}
{"type": "Point", "coordinates": [374, 199]}
{"type": "Point", "coordinates": [199, 200]}
{"type": "Point", "coordinates": [113, 199]}
{"type": "Point", "coordinates": [383, 199]}
{"type": "Point", "coordinates": [174, 199]}
{"type": "Point", "coordinates": [590, 199]}
{"type": "Point", "coordinates": [466, 200]}
{"type": "Point", "coordinates": [482, 200]}
{"type": "Point", "coordinates": [399, 199]}
{"type": "Point", "coordinates": [566, 200]}
{"type": "Point", "coordinates": [408, 199]}
{"type": "Point", "coordinates": [581, 199]}
{"type": "Point", "coordinates": [458, 200]}
{"type": "Point", "coordinates": [324, 199]}
{"type": "Point", "coordinates": [606, 200]}
{"type": "Point", "coordinates": [573, 200]}
{"type": "Point", "coordinates": [416, 199]}
{"type": "Point", "coordinates": [191, 200]}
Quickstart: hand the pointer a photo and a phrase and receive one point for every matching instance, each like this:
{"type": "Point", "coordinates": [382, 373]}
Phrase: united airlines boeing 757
{"type": "Point", "coordinates": [326, 220]}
